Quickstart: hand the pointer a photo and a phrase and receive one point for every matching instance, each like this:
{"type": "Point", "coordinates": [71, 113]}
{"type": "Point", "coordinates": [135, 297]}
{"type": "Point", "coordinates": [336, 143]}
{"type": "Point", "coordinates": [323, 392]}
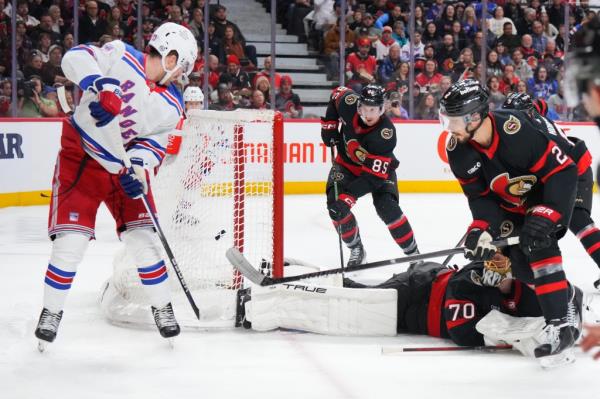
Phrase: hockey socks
{"type": "Point", "coordinates": [590, 239]}
{"type": "Point", "coordinates": [402, 233]}
{"type": "Point", "coordinates": [551, 286]}
{"type": "Point", "coordinates": [67, 252]}
{"type": "Point", "coordinates": [348, 229]}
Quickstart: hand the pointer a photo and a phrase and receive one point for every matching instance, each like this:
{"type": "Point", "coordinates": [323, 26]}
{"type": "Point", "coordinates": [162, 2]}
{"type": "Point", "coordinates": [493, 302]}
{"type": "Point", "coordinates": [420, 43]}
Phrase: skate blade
{"type": "Point", "coordinates": [171, 342]}
{"type": "Point", "coordinates": [561, 359]}
{"type": "Point", "coordinates": [42, 346]}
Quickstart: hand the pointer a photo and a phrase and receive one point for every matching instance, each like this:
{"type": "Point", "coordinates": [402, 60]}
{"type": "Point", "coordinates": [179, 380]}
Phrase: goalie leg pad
{"type": "Point", "coordinates": [67, 253]}
{"type": "Point", "coordinates": [324, 310]}
{"type": "Point", "coordinates": [144, 249]}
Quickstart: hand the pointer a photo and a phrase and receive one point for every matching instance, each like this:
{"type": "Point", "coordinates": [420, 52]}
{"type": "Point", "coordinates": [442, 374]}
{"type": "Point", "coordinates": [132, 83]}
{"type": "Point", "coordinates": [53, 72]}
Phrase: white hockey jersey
{"type": "Point", "coordinates": [149, 112]}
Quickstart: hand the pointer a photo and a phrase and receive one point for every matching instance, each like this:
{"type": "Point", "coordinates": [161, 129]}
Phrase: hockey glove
{"type": "Point", "coordinates": [495, 271]}
{"type": "Point", "coordinates": [540, 222]}
{"type": "Point", "coordinates": [109, 100]}
{"type": "Point", "coordinates": [478, 244]}
{"type": "Point", "coordinates": [329, 132]}
{"type": "Point", "coordinates": [341, 207]}
{"type": "Point", "coordinates": [135, 179]}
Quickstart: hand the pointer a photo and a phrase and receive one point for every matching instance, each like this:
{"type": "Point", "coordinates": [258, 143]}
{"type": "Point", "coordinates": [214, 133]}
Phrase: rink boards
{"type": "Point", "coordinates": [28, 149]}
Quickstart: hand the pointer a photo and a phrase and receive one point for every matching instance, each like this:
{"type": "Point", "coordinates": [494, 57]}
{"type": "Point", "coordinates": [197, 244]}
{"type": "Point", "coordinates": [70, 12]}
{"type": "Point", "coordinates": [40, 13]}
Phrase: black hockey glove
{"type": "Point", "coordinates": [540, 223]}
{"type": "Point", "coordinates": [478, 244]}
{"type": "Point", "coordinates": [341, 207]}
{"type": "Point", "coordinates": [329, 132]}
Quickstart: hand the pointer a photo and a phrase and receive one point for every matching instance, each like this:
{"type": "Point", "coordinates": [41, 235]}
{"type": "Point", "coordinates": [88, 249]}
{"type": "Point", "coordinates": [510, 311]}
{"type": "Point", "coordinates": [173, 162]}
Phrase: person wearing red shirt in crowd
{"type": "Point", "coordinates": [238, 78]}
{"type": "Point", "coordinates": [287, 101]}
{"type": "Point", "coordinates": [266, 73]}
{"type": "Point", "coordinates": [509, 80]}
{"type": "Point", "coordinates": [429, 80]}
{"type": "Point", "coordinates": [360, 66]}
{"type": "Point", "coordinates": [528, 50]}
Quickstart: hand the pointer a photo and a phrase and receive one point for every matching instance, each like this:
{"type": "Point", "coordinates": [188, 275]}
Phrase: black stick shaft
{"type": "Point", "coordinates": [449, 257]}
{"type": "Point", "coordinates": [453, 348]}
{"type": "Point", "coordinates": [336, 193]}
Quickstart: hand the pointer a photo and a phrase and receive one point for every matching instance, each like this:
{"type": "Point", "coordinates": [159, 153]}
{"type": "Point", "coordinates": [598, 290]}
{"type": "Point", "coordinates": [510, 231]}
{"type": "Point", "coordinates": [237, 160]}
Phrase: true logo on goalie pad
{"type": "Point", "coordinates": [306, 288]}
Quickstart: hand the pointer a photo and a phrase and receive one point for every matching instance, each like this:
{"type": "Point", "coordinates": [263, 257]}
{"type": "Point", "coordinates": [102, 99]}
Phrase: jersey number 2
{"type": "Point", "coordinates": [558, 154]}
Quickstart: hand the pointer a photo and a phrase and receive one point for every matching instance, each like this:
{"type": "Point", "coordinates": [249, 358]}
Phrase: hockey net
{"type": "Point", "coordinates": [224, 189]}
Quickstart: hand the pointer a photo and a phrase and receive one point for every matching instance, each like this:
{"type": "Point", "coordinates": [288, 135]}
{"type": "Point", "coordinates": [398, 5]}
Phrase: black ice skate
{"type": "Point", "coordinates": [165, 321]}
{"type": "Point", "coordinates": [358, 255]}
{"type": "Point", "coordinates": [558, 339]}
{"type": "Point", "coordinates": [47, 328]}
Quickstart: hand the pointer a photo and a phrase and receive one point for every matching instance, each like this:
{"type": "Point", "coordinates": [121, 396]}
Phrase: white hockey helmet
{"type": "Point", "coordinates": [193, 94]}
{"type": "Point", "coordinates": [172, 37]}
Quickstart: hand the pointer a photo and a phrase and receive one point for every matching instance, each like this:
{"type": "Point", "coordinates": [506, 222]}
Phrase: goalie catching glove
{"type": "Point", "coordinates": [478, 244]}
{"type": "Point", "coordinates": [135, 179]}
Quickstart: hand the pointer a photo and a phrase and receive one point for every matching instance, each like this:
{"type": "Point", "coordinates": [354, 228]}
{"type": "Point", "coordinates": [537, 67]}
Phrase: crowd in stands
{"type": "Point", "coordinates": [524, 47]}
{"type": "Point", "coordinates": [44, 32]}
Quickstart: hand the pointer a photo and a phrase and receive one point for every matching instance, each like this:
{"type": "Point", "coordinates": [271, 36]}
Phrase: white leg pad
{"type": "Point", "coordinates": [323, 309]}
{"type": "Point", "coordinates": [521, 332]}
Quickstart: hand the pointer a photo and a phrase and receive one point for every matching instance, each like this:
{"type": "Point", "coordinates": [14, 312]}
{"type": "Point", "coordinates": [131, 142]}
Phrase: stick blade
{"type": "Point", "coordinates": [242, 265]}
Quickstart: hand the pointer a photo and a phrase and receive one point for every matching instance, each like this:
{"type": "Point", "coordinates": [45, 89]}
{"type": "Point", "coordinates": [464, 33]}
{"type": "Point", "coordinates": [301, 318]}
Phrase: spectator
{"type": "Point", "coordinates": [541, 85]}
{"type": "Point", "coordinates": [58, 24]}
{"type": "Point", "coordinates": [556, 12]}
{"type": "Point", "coordinates": [539, 39]}
{"type": "Point", "coordinates": [521, 87]}
{"type": "Point", "coordinates": [399, 33]}
{"type": "Point", "coordinates": [321, 18]}
{"type": "Point", "coordinates": [45, 26]}
{"type": "Point", "coordinates": [550, 31]}
{"type": "Point", "coordinates": [360, 66]}
{"type": "Point", "coordinates": [263, 84]}
{"type": "Point", "coordinates": [43, 46]}
{"type": "Point", "coordinates": [373, 33]}
{"type": "Point", "coordinates": [34, 68]}
{"type": "Point", "coordinates": [52, 72]}
{"type": "Point", "coordinates": [355, 20]}
{"type": "Point", "coordinates": [394, 107]}
{"type": "Point", "coordinates": [389, 65]}
{"type": "Point", "coordinates": [435, 11]}
{"type": "Point", "coordinates": [32, 102]}
{"type": "Point", "coordinates": [447, 54]}
{"type": "Point", "coordinates": [213, 72]}
{"type": "Point", "coordinates": [377, 8]}
{"type": "Point", "coordinates": [196, 25]}
{"type": "Point", "coordinates": [510, 40]}
{"type": "Point", "coordinates": [286, 101]}
{"type": "Point", "coordinates": [91, 26]}
{"type": "Point", "coordinates": [23, 14]}
{"type": "Point", "coordinates": [175, 15]}
{"type": "Point", "coordinates": [115, 18]}
{"type": "Point", "coordinates": [530, 18]}
{"type": "Point", "coordinates": [233, 47]}
{"type": "Point", "coordinates": [513, 10]}
{"type": "Point", "coordinates": [400, 77]}
{"type": "Point", "coordinates": [238, 78]}
{"type": "Point", "coordinates": [557, 103]}
{"type": "Point", "coordinates": [522, 69]}
{"type": "Point", "coordinates": [418, 49]}
{"type": "Point", "coordinates": [552, 58]}
{"type": "Point", "coordinates": [257, 101]}
{"type": "Point", "coordinates": [460, 39]}
{"type": "Point", "coordinates": [196, 80]}
{"type": "Point", "coordinates": [429, 80]}
{"type": "Point", "coordinates": [477, 45]}
{"type": "Point", "coordinates": [427, 108]}
{"type": "Point", "coordinates": [494, 66]}
{"type": "Point", "coordinates": [225, 99]}
{"type": "Point", "coordinates": [67, 42]}
{"type": "Point", "coordinates": [266, 72]}
{"type": "Point", "coordinates": [331, 50]}
{"type": "Point", "coordinates": [503, 54]}
{"type": "Point", "coordinates": [445, 84]}
{"type": "Point", "coordinates": [529, 54]}
{"type": "Point", "coordinates": [5, 98]}
{"type": "Point", "coordinates": [429, 52]}
{"type": "Point", "coordinates": [470, 23]}
{"type": "Point", "coordinates": [466, 67]}
{"type": "Point", "coordinates": [496, 96]}
{"type": "Point", "coordinates": [430, 36]}
{"type": "Point", "coordinates": [215, 45]}
{"type": "Point", "coordinates": [221, 23]}
{"type": "Point", "coordinates": [390, 18]}
{"type": "Point", "coordinates": [509, 80]}
{"type": "Point", "coordinates": [444, 24]}
{"type": "Point", "coordinates": [497, 23]}
{"type": "Point", "coordinates": [382, 45]}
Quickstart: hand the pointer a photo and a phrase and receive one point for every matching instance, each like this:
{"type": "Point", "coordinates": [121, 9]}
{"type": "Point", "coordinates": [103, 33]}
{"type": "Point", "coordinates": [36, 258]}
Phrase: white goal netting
{"type": "Point", "coordinates": [220, 191]}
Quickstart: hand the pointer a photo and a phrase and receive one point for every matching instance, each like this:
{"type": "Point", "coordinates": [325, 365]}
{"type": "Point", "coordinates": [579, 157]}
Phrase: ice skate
{"type": "Point", "coordinates": [558, 339]}
{"type": "Point", "coordinates": [358, 256]}
{"type": "Point", "coordinates": [47, 328]}
{"type": "Point", "coordinates": [165, 321]}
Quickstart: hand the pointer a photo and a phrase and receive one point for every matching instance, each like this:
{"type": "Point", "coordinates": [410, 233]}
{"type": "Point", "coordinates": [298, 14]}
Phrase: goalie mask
{"type": "Point", "coordinates": [494, 272]}
{"type": "Point", "coordinates": [170, 37]}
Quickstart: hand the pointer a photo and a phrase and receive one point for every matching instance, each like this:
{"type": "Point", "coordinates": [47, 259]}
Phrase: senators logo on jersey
{"type": "Point", "coordinates": [512, 125]}
{"type": "Point", "coordinates": [513, 190]}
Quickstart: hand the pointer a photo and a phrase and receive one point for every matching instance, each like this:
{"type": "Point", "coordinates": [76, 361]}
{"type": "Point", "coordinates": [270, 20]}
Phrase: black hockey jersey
{"type": "Point", "coordinates": [366, 151]}
{"type": "Point", "coordinates": [524, 166]}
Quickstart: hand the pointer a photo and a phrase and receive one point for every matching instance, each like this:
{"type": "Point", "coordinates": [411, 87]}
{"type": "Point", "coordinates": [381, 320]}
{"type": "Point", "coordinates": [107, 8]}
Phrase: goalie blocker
{"type": "Point", "coordinates": [430, 300]}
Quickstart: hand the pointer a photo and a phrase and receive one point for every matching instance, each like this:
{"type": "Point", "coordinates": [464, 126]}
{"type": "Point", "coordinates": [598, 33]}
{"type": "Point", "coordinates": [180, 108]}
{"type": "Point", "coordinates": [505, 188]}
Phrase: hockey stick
{"type": "Point", "coordinates": [338, 228]}
{"type": "Point", "coordinates": [118, 146]}
{"type": "Point", "coordinates": [241, 263]}
{"type": "Point", "coordinates": [449, 257]}
{"type": "Point", "coordinates": [396, 350]}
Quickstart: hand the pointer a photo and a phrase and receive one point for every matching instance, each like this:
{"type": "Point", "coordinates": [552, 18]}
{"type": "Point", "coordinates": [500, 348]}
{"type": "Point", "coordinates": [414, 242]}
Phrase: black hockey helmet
{"type": "Point", "coordinates": [372, 95]}
{"type": "Point", "coordinates": [583, 61]}
{"type": "Point", "coordinates": [465, 97]}
{"type": "Point", "coordinates": [520, 101]}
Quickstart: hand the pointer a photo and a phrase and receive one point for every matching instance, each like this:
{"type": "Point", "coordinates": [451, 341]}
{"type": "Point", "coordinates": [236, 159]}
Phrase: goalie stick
{"type": "Point", "coordinates": [238, 261]}
{"type": "Point", "coordinates": [396, 350]}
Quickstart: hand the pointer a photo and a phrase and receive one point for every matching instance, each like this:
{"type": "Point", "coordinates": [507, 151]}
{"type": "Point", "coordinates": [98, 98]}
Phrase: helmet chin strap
{"type": "Point", "coordinates": [168, 73]}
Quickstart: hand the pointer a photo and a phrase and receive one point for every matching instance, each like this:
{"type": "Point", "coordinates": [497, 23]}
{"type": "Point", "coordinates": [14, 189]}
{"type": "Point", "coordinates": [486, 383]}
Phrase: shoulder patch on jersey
{"type": "Point", "coordinates": [350, 99]}
{"type": "Point", "coordinates": [512, 125]}
{"type": "Point", "coordinates": [387, 133]}
{"type": "Point", "coordinates": [506, 228]}
{"type": "Point", "coordinates": [452, 142]}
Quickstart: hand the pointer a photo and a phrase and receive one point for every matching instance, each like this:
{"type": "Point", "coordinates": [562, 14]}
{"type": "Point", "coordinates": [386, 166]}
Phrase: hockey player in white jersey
{"type": "Point", "coordinates": [129, 100]}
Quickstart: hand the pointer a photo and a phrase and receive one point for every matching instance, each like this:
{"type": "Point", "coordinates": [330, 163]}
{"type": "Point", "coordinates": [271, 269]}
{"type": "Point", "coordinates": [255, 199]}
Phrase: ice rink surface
{"type": "Point", "coordinates": [94, 359]}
